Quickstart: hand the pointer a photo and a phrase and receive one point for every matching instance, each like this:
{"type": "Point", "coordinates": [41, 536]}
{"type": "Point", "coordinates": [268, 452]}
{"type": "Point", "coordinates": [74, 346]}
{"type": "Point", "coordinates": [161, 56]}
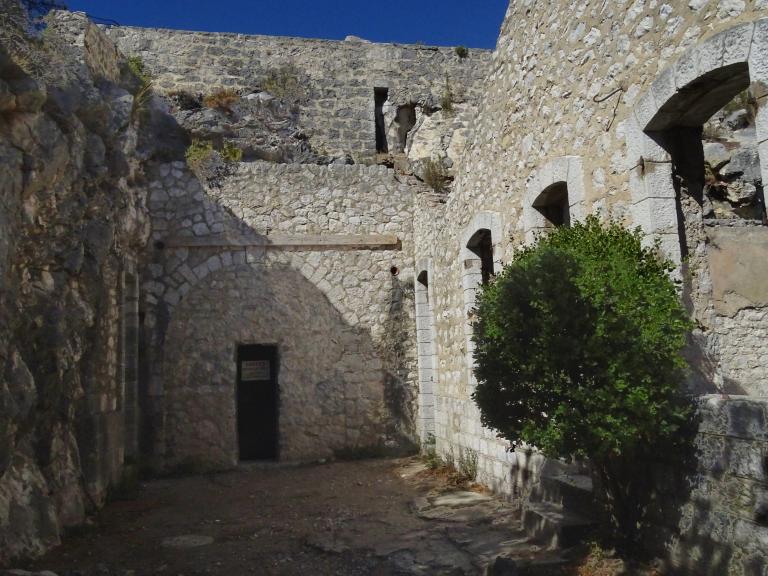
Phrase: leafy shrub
{"type": "Point", "coordinates": [461, 51]}
{"type": "Point", "coordinates": [434, 175]}
{"type": "Point", "coordinates": [211, 165]}
{"type": "Point", "coordinates": [199, 153]}
{"type": "Point", "coordinates": [222, 99]}
{"type": "Point", "coordinates": [578, 352]}
{"type": "Point", "coordinates": [284, 83]}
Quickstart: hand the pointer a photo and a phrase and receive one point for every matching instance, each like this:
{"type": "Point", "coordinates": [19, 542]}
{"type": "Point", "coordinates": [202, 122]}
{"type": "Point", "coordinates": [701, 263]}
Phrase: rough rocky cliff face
{"type": "Point", "coordinates": [72, 221]}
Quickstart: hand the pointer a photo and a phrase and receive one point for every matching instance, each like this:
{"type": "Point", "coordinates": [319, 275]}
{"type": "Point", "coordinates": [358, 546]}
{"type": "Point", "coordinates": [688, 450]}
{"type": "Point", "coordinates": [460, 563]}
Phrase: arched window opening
{"type": "Point", "coordinates": [709, 130]}
{"type": "Point", "coordinates": [481, 244]}
{"type": "Point", "coordinates": [553, 204]}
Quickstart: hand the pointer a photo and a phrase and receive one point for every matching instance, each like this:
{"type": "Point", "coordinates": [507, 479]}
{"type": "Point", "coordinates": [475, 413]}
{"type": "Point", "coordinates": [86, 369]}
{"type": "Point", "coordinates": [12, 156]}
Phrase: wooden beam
{"type": "Point", "coordinates": [291, 242]}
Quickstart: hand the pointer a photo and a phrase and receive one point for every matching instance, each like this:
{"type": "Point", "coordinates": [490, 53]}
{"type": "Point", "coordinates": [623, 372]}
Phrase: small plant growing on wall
{"type": "Point", "coordinates": [434, 175]}
{"type": "Point", "coordinates": [143, 91]}
{"type": "Point", "coordinates": [578, 353]}
{"type": "Point", "coordinates": [222, 99]}
{"type": "Point", "coordinates": [210, 165]}
{"type": "Point", "coordinates": [461, 51]}
{"type": "Point", "coordinates": [447, 100]}
{"type": "Point", "coordinates": [231, 153]}
{"type": "Point", "coordinates": [284, 83]}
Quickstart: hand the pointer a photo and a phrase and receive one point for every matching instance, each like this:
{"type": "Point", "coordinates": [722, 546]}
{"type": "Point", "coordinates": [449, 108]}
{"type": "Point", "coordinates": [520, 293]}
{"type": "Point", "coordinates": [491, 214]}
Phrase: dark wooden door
{"type": "Point", "coordinates": [257, 402]}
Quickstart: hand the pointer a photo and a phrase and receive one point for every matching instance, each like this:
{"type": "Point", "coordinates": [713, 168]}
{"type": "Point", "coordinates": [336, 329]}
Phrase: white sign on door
{"type": "Point", "coordinates": [254, 370]}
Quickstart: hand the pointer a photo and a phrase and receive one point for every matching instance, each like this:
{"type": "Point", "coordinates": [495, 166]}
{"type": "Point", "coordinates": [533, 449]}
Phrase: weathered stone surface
{"type": "Point", "coordinates": [62, 134]}
{"type": "Point", "coordinates": [550, 96]}
{"type": "Point", "coordinates": [336, 79]}
{"type": "Point", "coordinates": [578, 84]}
{"type": "Point", "coordinates": [298, 294]}
{"type": "Point", "coordinates": [739, 280]}
{"type": "Point", "coordinates": [187, 541]}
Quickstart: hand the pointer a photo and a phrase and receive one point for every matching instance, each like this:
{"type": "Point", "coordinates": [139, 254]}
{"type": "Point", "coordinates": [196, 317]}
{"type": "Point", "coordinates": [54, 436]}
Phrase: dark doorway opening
{"type": "Point", "coordinates": [481, 244]}
{"type": "Point", "coordinates": [380, 96]}
{"type": "Point", "coordinates": [257, 402]}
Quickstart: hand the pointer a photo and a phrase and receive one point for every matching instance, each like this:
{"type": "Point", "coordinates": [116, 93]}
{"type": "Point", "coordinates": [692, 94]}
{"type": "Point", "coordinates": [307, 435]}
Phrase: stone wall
{"type": "Point", "coordinates": [336, 80]}
{"type": "Point", "coordinates": [581, 96]}
{"type": "Point", "coordinates": [313, 259]}
{"type": "Point", "coordinates": [720, 528]}
{"type": "Point", "coordinates": [72, 222]}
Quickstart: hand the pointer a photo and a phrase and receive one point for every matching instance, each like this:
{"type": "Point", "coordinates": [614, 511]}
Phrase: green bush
{"type": "Point", "coordinates": [211, 165]}
{"type": "Point", "coordinates": [199, 153]}
{"type": "Point", "coordinates": [461, 51]}
{"type": "Point", "coordinates": [578, 353]}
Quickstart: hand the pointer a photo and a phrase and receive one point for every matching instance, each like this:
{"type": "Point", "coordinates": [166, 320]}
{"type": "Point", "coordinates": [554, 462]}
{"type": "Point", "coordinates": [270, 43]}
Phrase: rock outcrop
{"type": "Point", "coordinates": [72, 219]}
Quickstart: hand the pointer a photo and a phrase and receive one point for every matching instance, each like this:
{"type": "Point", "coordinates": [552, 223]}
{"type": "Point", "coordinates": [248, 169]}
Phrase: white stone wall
{"type": "Point", "coordinates": [230, 272]}
{"type": "Point", "coordinates": [337, 79]}
{"type": "Point", "coordinates": [540, 117]}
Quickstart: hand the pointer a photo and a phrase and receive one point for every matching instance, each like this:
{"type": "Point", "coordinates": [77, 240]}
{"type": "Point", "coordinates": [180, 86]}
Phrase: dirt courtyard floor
{"type": "Point", "coordinates": [377, 517]}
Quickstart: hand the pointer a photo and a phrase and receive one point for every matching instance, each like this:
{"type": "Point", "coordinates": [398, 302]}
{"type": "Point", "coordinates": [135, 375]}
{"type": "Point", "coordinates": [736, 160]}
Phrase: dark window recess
{"type": "Point", "coordinates": [380, 97]}
{"type": "Point", "coordinates": [481, 244]}
{"type": "Point", "coordinates": [406, 120]}
{"type": "Point", "coordinates": [423, 279]}
{"type": "Point", "coordinates": [553, 205]}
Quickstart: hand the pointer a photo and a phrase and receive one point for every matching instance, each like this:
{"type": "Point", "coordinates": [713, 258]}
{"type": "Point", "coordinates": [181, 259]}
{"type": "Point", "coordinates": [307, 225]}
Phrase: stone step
{"type": "Point", "coordinates": [571, 491]}
{"type": "Point", "coordinates": [552, 526]}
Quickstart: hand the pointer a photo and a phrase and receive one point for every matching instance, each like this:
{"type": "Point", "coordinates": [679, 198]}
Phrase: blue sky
{"type": "Point", "coordinates": [472, 23]}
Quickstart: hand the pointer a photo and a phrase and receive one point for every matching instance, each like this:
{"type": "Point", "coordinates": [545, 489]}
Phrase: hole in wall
{"type": "Point", "coordinates": [761, 514]}
{"type": "Point", "coordinates": [552, 203]}
{"type": "Point", "coordinates": [380, 96]}
{"type": "Point", "coordinates": [159, 245]}
{"type": "Point", "coordinates": [733, 186]}
{"type": "Point", "coordinates": [406, 120]}
{"type": "Point", "coordinates": [394, 270]}
{"type": "Point", "coordinates": [481, 244]}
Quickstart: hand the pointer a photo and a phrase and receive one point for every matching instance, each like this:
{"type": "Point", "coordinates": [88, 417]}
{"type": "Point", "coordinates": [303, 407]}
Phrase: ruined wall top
{"type": "Point", "coordinates": [334, 80]}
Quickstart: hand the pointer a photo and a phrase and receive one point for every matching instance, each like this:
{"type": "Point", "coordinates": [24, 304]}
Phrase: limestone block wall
{"type": "Point", "coordinates": [72, 224]}
{"type": "Point", "coordinates": [337, 79]}
{"type": "Point", "coordinates": [714, 523]}
{"type": "Point", "coordinates": [581, 97]}
{"type": "Point", "coordinates": [313, 259]}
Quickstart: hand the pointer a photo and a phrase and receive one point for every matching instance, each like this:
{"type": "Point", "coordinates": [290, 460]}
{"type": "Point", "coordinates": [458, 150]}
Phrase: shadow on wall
{"type": "Point", "coordinates": [401, 401]}
{"type": "Point", "coordinates": [215, 285]}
